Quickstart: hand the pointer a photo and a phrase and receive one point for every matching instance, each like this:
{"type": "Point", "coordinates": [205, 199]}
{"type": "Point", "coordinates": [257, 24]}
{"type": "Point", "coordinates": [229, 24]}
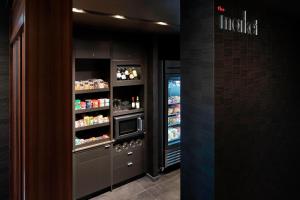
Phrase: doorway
{"type": "Point", "coordinates": [126, 74]}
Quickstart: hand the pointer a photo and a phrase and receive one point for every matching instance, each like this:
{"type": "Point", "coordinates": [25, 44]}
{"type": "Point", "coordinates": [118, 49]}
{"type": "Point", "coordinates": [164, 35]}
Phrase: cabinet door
{"type": "Point", "coordinates": [127, 50]}
{"type": "Point", "coordinates": [92, 49]}
{"type": "Point", "coordinates": [92, 171]}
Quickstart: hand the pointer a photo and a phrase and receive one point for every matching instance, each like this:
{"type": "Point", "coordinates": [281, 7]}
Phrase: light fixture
{"type": "Point", "coordinates": [76, 10]}
{"type": "Point", "coordinates": [162, 23]}
{"type": "Point", "coordinates": [119, 17]}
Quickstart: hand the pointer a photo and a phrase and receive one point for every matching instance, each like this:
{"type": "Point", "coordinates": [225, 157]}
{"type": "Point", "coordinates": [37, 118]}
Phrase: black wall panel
{"type": "Point", "coordinates": [197, 56]}
{"type": "Point", "coordinates": [257, 125]}
{"type": "Point", "coordinates": [4, 90]}
{"type": "Point", "coordinates": [239, 106]}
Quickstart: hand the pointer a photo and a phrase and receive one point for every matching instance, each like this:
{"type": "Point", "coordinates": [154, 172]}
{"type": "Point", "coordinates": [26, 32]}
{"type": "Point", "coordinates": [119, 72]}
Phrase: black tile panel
{"type": "Point", "coordinates": [257, 126]}
{"type": "Point", "coordinates": [197, 58]}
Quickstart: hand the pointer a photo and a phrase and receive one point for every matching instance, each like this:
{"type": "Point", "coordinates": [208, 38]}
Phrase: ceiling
{"type": "Point", "coordinates": [141, 13]}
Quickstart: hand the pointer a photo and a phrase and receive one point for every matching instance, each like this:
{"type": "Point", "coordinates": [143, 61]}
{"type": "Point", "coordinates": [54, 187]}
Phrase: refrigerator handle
{"type": "Point", "coordinates": [140, 122]}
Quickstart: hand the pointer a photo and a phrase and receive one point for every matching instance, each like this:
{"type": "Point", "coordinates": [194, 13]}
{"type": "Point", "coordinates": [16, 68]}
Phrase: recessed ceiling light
{"type": "Point", "coordinates": [162, 23]}
{"type": "Point", "coordinates": [119, 17]}
{"type": "Point", "coordinates": [76, 10]}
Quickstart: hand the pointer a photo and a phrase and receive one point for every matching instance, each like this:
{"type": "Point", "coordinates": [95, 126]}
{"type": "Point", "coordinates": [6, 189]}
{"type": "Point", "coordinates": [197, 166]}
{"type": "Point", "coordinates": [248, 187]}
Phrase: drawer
{"type": "Point", "coordinates": [132, 155]}
{"type": "Point", "coordinates": [131, 170]}
{"type": "Point", "coordinates": [90, 154]}
{"type": "Point", "coordinates": [92, 170]}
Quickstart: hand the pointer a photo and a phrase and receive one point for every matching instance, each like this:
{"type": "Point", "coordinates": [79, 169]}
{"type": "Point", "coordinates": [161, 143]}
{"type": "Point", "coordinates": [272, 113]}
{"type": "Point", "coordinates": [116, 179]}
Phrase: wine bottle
{"type": "Point", "coordinates": [134, 72]}
{"type": "Point", "coordinates": [137, 103]}
{"type": "Point", "coordinates": [119, 75]}
{"type": "Point", "coordinates": [131, 76]}
{"type": "Point", "coordinates": [123, 74]}
{"type": "Point", "coordinates": [133, 105]}
{"type": "Point", "coordinates": [126, 73]}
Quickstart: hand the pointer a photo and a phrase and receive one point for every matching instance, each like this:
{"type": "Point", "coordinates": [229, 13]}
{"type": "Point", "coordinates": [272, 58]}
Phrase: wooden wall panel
{"type": "Point", "coordinates": [17, 18]}
{"type": "Point", "coordinates": [48, 35]}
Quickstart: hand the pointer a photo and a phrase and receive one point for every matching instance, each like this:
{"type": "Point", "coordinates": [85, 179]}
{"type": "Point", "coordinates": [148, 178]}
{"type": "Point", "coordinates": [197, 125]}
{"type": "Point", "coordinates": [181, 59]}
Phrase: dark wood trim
{"type": "Point", "coordinates": [15, 134]}
{"type": "Point", "coordinates": [41, 129]}
{"type": "Point", "coordinates": [48, 29]}
{"type": "Point", "coordinates": [17, 18]}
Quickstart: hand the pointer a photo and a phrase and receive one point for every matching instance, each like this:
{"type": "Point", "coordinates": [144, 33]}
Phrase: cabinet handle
{"type": "Point", "coordinates": [129, 164]}
{"type": "Point", "coordinates": [130, 153]}
{"type": "Point", "coordinates": [107, 146]}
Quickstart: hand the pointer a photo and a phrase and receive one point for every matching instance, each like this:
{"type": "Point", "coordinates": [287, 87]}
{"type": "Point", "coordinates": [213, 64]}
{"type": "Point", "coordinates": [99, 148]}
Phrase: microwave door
{"type": "Point", "coordinates": [128, 126]}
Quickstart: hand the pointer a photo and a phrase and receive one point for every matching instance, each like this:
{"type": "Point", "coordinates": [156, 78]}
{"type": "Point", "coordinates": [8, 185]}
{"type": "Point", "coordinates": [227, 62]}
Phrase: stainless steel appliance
{"type": "Point", "coordinates": [127, 126]}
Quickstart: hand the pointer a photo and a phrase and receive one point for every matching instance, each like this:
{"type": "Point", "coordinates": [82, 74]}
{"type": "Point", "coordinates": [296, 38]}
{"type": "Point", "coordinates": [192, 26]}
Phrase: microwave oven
{"type": "Point", "coordinates": [127, 126]}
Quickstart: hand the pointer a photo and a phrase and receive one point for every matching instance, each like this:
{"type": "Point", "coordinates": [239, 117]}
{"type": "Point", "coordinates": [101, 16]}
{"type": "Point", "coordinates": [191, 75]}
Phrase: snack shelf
{"type": "Point", "coordinates": [91, 110]}
{"type": "Point", "coordinates": [92, 127]}
{"type": "Point", "coordinates": [91, 91]}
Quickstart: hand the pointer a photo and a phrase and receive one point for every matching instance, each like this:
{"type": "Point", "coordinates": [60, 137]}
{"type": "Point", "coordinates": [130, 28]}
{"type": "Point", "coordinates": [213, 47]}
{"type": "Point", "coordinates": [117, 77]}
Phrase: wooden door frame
{"type": "Point", "coordinates": [15, 107]}
{"type": "Point", "coordinates": [41, 154]}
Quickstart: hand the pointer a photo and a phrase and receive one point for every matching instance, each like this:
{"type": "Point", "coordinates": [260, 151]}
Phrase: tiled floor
{"type": "Point", "coordinates": [166, 188]}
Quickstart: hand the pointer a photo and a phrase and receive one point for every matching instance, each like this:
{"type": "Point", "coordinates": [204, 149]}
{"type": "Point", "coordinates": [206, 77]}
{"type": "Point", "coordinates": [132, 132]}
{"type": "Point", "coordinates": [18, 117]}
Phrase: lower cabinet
{"type": "Point", "coordinates": [100, 167]}
{"type": "Point", "coordinates": [128, 160]}
{"type": "Point", "coordinates": [92, 170]}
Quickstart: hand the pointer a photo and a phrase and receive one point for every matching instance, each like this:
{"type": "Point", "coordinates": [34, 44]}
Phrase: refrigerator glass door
{"type": "Point", "coordinates": [174, 110]}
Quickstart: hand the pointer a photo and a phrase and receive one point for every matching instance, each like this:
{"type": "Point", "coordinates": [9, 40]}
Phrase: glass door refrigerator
{"type": "Point", "coordinates": [171, 114]}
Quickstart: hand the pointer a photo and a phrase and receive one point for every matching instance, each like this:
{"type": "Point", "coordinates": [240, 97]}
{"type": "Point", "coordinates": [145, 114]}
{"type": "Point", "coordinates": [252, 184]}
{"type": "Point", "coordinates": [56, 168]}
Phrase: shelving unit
{"type": "Point", "coordinates": [93, 156]}
{"type": "Point", "coordinates": [91, 91]}
{"type": "Point", "coordinates": [91, 144]}
{"type": "Point", "coordinates": [89, 69]}
{"type": "Point", "coordinates": [92, 127]}
{"type": "Point", "coordinates": [126, 112]}
{"type": "Point", "coordinates": [128, 83]}
{"type": "Point", "coordinates": [91, 110]}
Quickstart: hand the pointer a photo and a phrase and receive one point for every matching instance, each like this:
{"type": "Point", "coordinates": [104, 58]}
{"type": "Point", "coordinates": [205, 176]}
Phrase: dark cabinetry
{"type": "Point", "coordinates": [97, 167]}
{"type": "Point", "coordinates": [92, 170]}
{"type": "Point", "coordinates": [127, 50]}
{"type": "Point", "coordinates": [92, 49]}
{"type": "Point", "coordinates": [128, 160]}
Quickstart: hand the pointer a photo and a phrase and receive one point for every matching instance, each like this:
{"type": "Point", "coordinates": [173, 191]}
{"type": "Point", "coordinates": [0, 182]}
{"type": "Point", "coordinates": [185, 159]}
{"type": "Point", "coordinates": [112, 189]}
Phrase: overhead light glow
{"type": "Point", "coordinates": [162, 23]}
{"type": "Point", "coordinates": [76, 10]}
{"type": "Point", "coordinates": [119, 17]}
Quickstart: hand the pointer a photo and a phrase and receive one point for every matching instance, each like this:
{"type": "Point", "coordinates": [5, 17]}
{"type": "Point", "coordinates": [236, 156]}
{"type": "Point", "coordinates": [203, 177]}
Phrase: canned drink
{"type": "Point", "coordinates": [77, 105]}
{"type": "Point", "coordinates": [88, 104]}
{"type": "Point", "coordinates": [83, 105]}
{"type": "Point", "coordinates": [99, 102]}
{"type": "Point", "coordinates": [95, 104]}
{"type": "Point", "coordinates": [102, 102]}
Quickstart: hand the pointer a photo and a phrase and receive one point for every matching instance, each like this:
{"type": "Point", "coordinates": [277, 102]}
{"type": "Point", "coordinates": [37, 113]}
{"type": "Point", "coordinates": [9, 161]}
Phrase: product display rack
{"type": "Point", "coordinates": [91, 91]}
{"type": "Point", "coordinates": [126, 112]}
{"type": "Point", "coordinates": [92, 127]}
{"type": "Point", "coordinates": [95, 163]}
{"type": "Point", "coordinates": [91, 110]}
{"type": "Point", "coordinates": [91, 145]}
{"type": "Point", "coordinates": [85, 69]}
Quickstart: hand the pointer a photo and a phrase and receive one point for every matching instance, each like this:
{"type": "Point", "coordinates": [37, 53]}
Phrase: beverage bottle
{"type": "Point", "coordinates": [137, 103]}
{"type": "Point", "coordinates": [133, 104]}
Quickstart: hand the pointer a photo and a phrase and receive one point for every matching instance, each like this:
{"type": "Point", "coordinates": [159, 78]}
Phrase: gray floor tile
{"type": "Point", "coordinates": [166, 188]}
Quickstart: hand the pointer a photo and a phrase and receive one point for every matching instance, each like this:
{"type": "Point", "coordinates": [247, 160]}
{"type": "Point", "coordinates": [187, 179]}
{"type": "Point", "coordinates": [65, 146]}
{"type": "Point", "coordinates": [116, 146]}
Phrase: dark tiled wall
{"type": "Point", "coordinates": [257, 132]}
{"type": "Point", "coordinates": [197, 58]}
{"type": "Point", "coordinates": [3, 104]}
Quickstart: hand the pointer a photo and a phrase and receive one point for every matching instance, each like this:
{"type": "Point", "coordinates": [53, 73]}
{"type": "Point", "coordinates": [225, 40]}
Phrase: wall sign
{"type": "Point", "coordinates": [238, 25]}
